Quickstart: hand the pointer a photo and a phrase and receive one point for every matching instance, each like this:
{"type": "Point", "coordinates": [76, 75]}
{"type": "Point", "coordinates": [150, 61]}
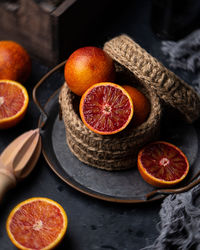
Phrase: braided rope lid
{"type": "Point", "coordinates": [147, 69]}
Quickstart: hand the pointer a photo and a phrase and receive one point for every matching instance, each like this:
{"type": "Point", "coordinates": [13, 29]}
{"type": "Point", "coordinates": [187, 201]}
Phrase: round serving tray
{"type": "Point", "coordinates": [120, 186]}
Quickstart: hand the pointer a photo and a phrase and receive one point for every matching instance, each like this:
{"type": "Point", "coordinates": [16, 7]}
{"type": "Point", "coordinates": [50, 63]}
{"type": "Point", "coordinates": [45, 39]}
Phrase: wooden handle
{"type": "Point", "coordinates": [6, 183]}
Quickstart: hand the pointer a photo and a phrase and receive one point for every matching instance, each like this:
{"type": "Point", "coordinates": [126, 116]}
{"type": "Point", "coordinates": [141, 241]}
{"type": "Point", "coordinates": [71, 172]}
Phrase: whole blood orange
{"type": "Point", "coordinates": [14, 101]}
{"type": "Point", "coordinates": [141, 105]}
{"type": "Point", "coordinates": [162, 164]}
{"type": "Point", "coordinates": [87, 66]}
{"type": "Point", "coordinates": [37, 223]}
{"type": "Point", "coordinates": [15, 63]}
{"type": "Point", "coordinates": [106, 108]}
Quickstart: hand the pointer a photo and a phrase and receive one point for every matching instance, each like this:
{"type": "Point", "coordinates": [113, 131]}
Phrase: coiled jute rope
{"type": "Point", "coordinates": [169, 87]}
{"type": "Point", "coordinates": [119, 151]}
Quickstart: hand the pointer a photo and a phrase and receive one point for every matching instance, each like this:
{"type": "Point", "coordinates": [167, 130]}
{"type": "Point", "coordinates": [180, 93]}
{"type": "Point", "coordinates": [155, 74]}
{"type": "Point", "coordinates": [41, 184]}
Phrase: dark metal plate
{"type": "Point", "coordinates": [123, 186]}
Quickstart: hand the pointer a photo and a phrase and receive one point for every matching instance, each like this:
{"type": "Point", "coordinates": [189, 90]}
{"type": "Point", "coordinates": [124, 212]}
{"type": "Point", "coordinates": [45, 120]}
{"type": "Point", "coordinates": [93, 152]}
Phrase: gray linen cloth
{"type": "Point", "coordinates": [179, 227]}
{"type": "Point", "coordinates": [185, 55]}
{"type": "Point", "coordinates": [180, 222]}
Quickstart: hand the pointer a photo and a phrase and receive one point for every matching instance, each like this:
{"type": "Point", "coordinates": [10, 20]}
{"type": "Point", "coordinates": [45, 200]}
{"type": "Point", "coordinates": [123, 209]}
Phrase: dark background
{"type": "Point", "coordinates": [93, 224]}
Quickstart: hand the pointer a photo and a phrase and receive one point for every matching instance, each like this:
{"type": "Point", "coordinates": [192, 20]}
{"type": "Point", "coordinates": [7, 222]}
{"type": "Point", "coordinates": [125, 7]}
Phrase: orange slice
{"type": "Point", "coordinates": [162, 164]}
{"type": "Point", "coordinates": [37, 223]}
{"type": "Point", "coordinates": [106, 108]}
{"type": "Point", "coordinates": [14, 101]}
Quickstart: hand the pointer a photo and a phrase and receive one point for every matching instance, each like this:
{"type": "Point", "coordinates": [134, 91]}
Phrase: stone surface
{"type": "Point", "coordinates": [124, 185]}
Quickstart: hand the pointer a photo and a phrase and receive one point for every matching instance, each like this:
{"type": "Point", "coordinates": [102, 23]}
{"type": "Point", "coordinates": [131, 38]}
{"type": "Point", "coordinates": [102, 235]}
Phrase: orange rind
{"type": "Point", "coordinates": [14, 101]}
{"type": "Point", "coordinates": [37, 223]}
{"type": "Point", "coordinates": [106, 108]}
{"type": "Point", "coordinates": [162, 164]}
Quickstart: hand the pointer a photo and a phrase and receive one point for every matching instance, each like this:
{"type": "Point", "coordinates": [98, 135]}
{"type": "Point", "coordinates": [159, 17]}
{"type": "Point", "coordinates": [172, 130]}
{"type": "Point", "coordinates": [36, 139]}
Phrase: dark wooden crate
{"type": "Point", "coordinates": [51, 35]}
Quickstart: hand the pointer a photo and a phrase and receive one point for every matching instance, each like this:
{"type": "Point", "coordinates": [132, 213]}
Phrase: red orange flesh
{"type": "Point", "coordinates": [14, 101]}
{"type": "Point", "coordinates": [37, 223]}
{"type": "Point", "coordinates": [162, 164]}
{"type": "Point", "coordinates": [106, 108]}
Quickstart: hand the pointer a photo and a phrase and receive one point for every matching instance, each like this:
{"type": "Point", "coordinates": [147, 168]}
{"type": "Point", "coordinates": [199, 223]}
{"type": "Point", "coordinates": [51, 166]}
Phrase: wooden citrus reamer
{"type": "Point", "coordinates": [19, 166]}
{"type": "Point", "coordinates": [20, 157]}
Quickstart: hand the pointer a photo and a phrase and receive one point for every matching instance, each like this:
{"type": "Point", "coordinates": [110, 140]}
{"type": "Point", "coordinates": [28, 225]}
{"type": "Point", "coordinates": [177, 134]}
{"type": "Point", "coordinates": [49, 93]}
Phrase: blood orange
{"type": "Point", "coordinates": [141, 105]}
{"type": "Point", "coordinates": [13, 103]}
{"type": "Point", "coordinates": [162, 164]}
{"type": "Point", "coordinates": [106, 108]}
{"type": "Point", "coordinates": [15, 62]}
{"type": "Point", "coordinates": [87, 66]}
{"type": "Point", "coordinates": [37, 223]}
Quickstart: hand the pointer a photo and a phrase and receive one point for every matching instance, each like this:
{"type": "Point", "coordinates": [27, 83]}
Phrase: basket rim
{"type": "Point", "coordinates": [170, 88]}
{"type": "Point", "coordinates": [141, 130]}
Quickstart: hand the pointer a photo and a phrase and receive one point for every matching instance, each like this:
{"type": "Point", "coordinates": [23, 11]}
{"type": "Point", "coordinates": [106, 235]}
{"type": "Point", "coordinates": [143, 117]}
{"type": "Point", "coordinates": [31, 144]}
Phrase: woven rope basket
{"type": "Point", "coordinates": [168, 86]}
{"type": "Point", "coordinates": [119, 151]}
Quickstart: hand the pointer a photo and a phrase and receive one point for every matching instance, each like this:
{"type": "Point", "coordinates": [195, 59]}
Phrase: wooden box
{"type": "Point", "coordinates": [51, 29]}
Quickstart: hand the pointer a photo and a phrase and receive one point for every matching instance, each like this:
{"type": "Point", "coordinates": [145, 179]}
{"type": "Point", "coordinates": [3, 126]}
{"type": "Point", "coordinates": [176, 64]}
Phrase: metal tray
{"type": "Point", "coordinates": [122, 186]}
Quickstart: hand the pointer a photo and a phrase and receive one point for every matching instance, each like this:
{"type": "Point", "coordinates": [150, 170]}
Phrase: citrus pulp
{"type": "Point", "coordinates": [106, 108]}
{"type": "Point", "coordinates": [14, 101]}
{"type": "Point", "coordinates": [162, 164]}
{"type": "Point", "coordinates": [37, 223]}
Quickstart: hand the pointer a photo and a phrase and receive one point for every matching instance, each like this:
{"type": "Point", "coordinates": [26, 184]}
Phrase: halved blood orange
{"type": "Point", "coordinates": [37, 223]}
{"type": "Point", "coordinates": [162, 164]}
{"type": "Point", "coordinates": [14, 101]}
{"type": "Point", "coordinates": [106, 108]}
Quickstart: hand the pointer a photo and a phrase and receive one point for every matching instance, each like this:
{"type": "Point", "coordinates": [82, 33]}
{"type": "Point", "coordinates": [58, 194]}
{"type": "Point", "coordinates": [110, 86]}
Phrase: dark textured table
{"type": "Point", "coordinates": [93, 224]}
